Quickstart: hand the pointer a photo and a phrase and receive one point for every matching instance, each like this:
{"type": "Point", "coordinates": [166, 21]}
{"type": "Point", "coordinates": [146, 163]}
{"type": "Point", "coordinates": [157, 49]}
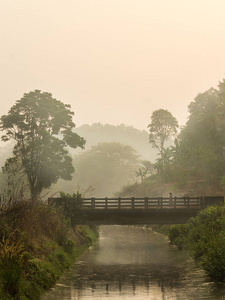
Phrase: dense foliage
{"type": "Point", "coordinates": [42, 127]}
{"type": "Point", "coordinates": [204, 237]}
{"type": "Point", "coordinates": [199, 149]}
{"type": "Point", "coordinates": [162, 127]}
{"type": "Point", "coordinates": [71, 205]}
{"type": "Point", "coordinates": [37, 243]}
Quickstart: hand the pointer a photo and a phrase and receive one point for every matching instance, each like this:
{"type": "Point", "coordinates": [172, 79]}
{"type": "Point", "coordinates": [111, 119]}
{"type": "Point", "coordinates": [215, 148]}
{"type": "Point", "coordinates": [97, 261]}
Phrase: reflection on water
{"type": "Point", "coordinates": [134, 263]}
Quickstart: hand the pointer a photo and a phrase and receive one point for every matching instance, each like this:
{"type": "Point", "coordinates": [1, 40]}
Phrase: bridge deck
{"type": "Point", "coordinates": [140, 210]}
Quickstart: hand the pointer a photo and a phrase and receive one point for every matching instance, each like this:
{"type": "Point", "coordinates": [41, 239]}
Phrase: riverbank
{"type": "Point", "coordinates": [37, 243]}
{"type": "Point", "coordinates": [203, 237]}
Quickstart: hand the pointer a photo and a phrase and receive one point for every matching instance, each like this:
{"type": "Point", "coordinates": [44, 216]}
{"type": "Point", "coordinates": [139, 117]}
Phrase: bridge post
{"type": "Point", "coordinates": [158, 201]}
{"type": "Point", "coordinates": [106, 202]}
{"type": "Point", "coordinates": [175, 202]}
{"type": "Point", "coordinates": [161, 202]}
{"type": "Point", "coordinates": [132, 203]}
{"type": "Point", "coordinates": [198, 201]}
{"type": "Point", "coordinates": [119, 202]}
{"type": "Point", "coordinates": [202, 204]}
{"type": "Point", "coordinates": [146, 202]}
{"type": "Point", "coordinates": [188, 201]}
{"type": "Point", "coordinates": [92, 202]}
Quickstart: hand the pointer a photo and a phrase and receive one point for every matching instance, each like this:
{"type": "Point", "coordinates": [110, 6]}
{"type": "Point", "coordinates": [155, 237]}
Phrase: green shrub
{"type": "Point", "coordinates": [42, 273]}
{"type": "Point", "coordinates": [213, 258]}
{"type": "Point", "coordinates": [72, 205]}
{"type": "Point", "coordinates": [178, 235]}
{"type": "Point", "coordinates": [90, 233]}
{"type": "Point", "coordinates": [69, 245]}
{"type": "Point", "coordinates": [11, 259]}
{"type": "Point", "coordinates": [36, 245]}
{"type": "Point", "coordinates": [63, 258]}
{"type": "Point", "coordinates": [204, 237]}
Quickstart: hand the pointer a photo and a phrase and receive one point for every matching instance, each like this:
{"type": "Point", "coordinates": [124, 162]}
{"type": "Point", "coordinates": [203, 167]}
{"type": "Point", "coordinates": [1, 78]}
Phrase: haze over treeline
{"type": "Point", "coordinates": [115, 155]}
{"type": "Point", "coordinates": [111, 157]}
{"type": "Point", "coordinates": [127, 135]}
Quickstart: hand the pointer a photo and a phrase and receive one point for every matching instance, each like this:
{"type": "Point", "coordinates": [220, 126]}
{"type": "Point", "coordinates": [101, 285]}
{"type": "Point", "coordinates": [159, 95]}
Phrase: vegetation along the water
{"type": "Point", "coordinates": [204, 238]}
{"type": "Point", "coordinates": [37, 243]}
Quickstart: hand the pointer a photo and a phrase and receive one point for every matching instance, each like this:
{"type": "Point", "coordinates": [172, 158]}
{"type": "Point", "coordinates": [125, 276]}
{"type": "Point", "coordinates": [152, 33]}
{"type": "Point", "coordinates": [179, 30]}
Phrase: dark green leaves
{"type": "Point", "coordinates": [42, 128]}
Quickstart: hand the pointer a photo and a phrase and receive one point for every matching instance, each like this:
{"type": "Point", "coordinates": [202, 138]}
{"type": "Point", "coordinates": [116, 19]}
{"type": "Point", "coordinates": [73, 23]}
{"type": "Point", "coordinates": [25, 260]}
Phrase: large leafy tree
{"type": "Point", "coordinates": [206, 119]}
{"type": "Point", "coordinates": [162, 127]}
{"type": "Point", "coordinates": [106, 167]}
{"type": "Point", "coordinates": [200, 147]}
{"type": "Point", "coordinates": [42, 128]}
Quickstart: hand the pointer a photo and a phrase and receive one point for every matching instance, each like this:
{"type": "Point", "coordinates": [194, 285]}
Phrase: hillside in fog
{"type": "Point", "coordinates": [101, 165]}
{"type": "Point", "coordinates": [126, 135]}
{"type": "Point", "coordinates": [99, 133]}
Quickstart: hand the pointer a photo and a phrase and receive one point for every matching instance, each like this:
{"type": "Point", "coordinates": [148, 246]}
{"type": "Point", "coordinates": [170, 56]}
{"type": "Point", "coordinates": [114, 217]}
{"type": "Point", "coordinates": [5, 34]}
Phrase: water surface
{"type": "Point", "coordinates": [134, 263]}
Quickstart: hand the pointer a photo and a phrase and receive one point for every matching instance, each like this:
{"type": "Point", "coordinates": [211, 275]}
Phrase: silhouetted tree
{"type": "Point", "coordinates": [163, 126]}
{"type": "Point", "coordinates": [42, 127]}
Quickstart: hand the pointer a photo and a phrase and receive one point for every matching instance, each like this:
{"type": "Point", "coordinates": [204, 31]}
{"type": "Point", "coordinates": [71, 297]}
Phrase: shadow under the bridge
{"type": "Point", "coordinates": [136, 216]}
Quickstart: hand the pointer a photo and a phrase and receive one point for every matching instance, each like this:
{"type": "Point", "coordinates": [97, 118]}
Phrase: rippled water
{"type": "Point", "coordinates": [134, 263]}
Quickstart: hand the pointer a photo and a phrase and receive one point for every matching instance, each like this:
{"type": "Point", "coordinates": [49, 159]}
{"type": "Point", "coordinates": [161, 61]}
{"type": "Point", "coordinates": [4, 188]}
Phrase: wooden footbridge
{"type": "Point", "coordinates": [134, 211]}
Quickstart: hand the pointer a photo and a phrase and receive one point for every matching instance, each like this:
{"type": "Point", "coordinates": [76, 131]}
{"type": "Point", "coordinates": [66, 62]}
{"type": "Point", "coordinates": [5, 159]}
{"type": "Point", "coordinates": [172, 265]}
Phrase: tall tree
{"type": "Point", "coordinates": [42, 128]}
{"type": "Point", "coordinates": [163, 126]}
{"type": "Point", "coordinates": [106, 167]}
{"type": "Point", "coordinates": [206, 117]}
{"type": "Point", "coordinates": [204, 136]}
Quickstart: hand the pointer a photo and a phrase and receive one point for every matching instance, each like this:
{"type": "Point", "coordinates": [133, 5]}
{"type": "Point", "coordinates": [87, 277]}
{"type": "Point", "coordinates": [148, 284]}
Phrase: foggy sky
{"type": "Point", "coordinates": [114, 61]}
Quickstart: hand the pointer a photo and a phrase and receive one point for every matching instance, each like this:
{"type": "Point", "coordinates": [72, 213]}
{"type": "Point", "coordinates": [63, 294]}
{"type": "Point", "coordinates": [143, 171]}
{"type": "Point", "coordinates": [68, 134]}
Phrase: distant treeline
{"type": "Point", "coordinates": [196, 160]}
{"type": "Point", "coordinates": [110, 160]}
{"type": "Point", "coordinates": [126, 135]}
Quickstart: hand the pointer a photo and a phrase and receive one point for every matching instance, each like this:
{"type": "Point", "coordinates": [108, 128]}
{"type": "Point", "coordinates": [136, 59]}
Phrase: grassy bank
{"type": "Point", "coordinates": [37, 243]}
{"type": "Point", "coordinates": [204, 238]}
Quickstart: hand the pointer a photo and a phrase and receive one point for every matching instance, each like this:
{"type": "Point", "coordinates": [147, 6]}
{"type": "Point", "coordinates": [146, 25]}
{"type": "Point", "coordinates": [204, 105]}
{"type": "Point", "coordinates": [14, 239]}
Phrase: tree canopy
{"type": "Point", "coordinates": [42, 128]}
{"type": "Point", "coordinates": [196, 160]}
{"type": "Point", "coordinates": [198, 152]}
{"type": "Point", "coordinates": [163, 126]}
{"type": "Point", "coordinates": [106, 167]}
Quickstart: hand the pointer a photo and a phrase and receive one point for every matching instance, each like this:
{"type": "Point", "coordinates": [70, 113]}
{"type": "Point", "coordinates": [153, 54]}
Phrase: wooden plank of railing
{"type": "Point", "coordinates": [144, 203]}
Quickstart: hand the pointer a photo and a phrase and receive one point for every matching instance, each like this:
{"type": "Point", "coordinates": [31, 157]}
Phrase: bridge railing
{"type": "Point", "coordinates": [143, 203]}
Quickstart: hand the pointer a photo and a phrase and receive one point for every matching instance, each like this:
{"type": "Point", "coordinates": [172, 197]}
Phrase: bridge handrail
{"type": "Point", "coordinates": [146, 202]}
{"type": "Point", "coordinates": [141, 202]}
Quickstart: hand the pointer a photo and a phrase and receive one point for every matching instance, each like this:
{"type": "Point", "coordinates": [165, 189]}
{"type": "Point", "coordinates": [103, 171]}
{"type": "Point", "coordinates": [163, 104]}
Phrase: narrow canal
{"type": "Point", "coordinates": [134, 263]}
